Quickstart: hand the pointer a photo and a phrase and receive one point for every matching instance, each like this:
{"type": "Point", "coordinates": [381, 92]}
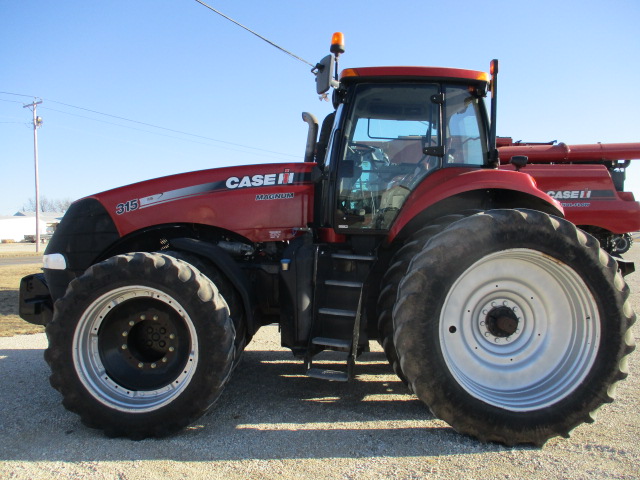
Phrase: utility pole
{"type": "Point", "coordinates": [37, 122]}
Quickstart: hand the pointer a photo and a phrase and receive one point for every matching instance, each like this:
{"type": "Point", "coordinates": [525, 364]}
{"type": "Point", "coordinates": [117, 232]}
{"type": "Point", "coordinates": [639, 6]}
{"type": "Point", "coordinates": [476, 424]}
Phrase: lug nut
{"type": "Point", "coordinates": [140, 365]}
{"type": "Point", "coordinates": [155, 318]}
{"type": "Point", "coordinates": [153, 365]}
{"type": "Point", "coordinates": [143, 317]}
{"type": "Point", "coordinates": [131, 323]}
{"type": "Point", "coordinates": [164, 359]}
{"type": "Point", "coordinates": [171, 349]}
{"type": "Point", "coordinates": [124, 334]}
{"type": "Point", "coordinates": [124, 346]}
{"type": "Point", "coordinates": [172, 336]}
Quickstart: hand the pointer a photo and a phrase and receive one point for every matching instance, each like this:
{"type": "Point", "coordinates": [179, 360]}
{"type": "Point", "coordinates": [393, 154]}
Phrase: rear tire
{"type": "Point", "coordinates": [392, 277]}
{"type": "Point", "coordinates": [512, 326]}
{"type": "Point", "coordinates": [140, 345]}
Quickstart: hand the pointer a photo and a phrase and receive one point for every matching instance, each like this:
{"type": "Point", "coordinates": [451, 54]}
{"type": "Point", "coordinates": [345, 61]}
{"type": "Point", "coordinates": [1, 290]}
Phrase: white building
{"type": "Point", "coordinates": [22, 226]}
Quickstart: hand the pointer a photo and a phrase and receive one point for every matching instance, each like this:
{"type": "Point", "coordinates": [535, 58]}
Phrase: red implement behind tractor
{"type": "Point", "coordinates": [503, 317]}
{"type": "Point", "coordinates": [588, 181]}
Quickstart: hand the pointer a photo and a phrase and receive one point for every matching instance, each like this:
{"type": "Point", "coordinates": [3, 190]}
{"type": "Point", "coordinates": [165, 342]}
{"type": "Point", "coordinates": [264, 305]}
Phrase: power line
{"type": "Point", "coordinates": [262, 151]}
{"type": "Point", "coordinates": [203, 137]}
{"type": "Point", "coordinates": [9, 101]}
{"type": "Point", "coordinates": [180, 132]}
{"type": "Point", "coordinates": [18, 95]}
{"type": "Point", "coordinates": [256, 34]}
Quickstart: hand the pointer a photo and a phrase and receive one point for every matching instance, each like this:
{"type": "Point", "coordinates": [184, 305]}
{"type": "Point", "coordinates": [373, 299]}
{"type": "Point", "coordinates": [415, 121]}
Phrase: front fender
{"type": "Point", "coordinates": [223, 261]}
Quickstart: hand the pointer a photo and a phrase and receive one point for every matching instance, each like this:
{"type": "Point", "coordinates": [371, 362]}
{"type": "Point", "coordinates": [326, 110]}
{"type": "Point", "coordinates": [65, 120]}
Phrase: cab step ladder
{"type": "Point", "coordinates": [347, 345]}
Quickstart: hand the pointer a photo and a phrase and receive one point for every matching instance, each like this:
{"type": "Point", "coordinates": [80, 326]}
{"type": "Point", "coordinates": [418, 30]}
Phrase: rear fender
{"type": "Point", "coordinates": [453, 190]}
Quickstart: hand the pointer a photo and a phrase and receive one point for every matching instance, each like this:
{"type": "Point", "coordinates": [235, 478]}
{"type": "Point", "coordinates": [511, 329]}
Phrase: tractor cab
{"type": "Point", "coordinates": [389, 135]}
{"type": "Point", "coordinates": [394, 127]}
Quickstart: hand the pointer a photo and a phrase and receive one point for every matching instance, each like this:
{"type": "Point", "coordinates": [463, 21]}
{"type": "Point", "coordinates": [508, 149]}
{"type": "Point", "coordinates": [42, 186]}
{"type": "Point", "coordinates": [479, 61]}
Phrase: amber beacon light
{"type": "Point", "coordinates": [337, 43]}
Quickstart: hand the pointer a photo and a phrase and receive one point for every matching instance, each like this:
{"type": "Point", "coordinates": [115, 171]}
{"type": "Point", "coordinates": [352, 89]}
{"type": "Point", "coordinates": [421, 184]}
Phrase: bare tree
{"type": "Point", "coordinates": [48, 205]}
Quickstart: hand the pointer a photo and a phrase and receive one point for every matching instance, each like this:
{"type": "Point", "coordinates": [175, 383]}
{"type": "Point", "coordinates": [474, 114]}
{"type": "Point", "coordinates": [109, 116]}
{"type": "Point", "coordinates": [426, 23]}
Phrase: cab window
{"type": "Point", "coordinates": [466, 142]}
{"type": "Point", "coordinates": [394, 138]}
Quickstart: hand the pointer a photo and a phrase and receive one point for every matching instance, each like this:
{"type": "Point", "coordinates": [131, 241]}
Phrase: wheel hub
{"type": "Point", "coordinates": [140, 344]}
{"type": "Point", "coordinates": [150, 340]}
{"type": "Point", "coordinates": [500, 321]}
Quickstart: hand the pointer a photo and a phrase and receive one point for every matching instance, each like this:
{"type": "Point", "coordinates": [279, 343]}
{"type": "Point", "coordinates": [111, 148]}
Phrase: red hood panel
{"type": "Point", "coordinates": [260, 202]}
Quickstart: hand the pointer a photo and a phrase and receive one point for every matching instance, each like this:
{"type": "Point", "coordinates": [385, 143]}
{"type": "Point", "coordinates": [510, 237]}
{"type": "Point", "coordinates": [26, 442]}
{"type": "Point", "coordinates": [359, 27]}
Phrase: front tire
{"type": "Point", "coordinates": [140, 345]}
{"type": "Point", "coordinates": [228, 292]}
{"type": "Point", "coordinates": [512, 326]}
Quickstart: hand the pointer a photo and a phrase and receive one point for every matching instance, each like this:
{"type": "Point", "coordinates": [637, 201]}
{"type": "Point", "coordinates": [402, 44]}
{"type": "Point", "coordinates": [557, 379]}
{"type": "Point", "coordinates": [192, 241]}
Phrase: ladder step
{"type": "Point", "coordinates": [336, 312]}
{"type": "Point", "coordinates": [351, 256]}
{"type": "Point", "coordinates": [331, 375]}
{"type": "Point", "coordinates": [342, 283]}
{"type": "Point", "coordinates": [344, 345]}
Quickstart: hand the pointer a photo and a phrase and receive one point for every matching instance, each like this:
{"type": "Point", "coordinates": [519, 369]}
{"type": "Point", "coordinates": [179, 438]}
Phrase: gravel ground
{"type": "Point", "coordinates": [273, 422]}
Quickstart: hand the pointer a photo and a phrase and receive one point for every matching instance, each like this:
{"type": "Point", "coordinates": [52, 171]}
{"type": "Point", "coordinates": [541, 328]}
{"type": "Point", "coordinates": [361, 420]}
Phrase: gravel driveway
{"type": "Point", "coordinates": [273, 422]}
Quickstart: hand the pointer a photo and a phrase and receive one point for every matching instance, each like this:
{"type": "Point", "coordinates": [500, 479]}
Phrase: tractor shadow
{"type": "Point", "coordinates": [269, 410]}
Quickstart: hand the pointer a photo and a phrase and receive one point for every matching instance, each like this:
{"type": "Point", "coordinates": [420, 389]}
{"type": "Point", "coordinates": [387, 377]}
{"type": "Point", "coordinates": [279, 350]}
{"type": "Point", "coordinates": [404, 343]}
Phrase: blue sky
{"type": "Point", "coordinates": [223, 97]}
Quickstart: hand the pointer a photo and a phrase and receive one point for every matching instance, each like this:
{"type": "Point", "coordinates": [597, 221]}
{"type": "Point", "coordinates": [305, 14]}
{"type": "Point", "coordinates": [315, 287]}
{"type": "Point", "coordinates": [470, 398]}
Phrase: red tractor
{"type": "Point", "coordinates": [506, 320]}
{"type": "Point", "coordinates": [588, 180]}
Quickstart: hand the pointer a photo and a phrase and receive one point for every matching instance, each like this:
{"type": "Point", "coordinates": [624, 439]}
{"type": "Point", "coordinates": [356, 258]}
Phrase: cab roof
{"type": "Point", "coordinates": [430, 73]}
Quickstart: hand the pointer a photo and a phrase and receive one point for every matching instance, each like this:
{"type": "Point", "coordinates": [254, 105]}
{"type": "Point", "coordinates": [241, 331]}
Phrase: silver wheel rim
{"type": "Point", "coordinates": [519, 330]}
{"type": "Point", "coordinates": [95, 375]}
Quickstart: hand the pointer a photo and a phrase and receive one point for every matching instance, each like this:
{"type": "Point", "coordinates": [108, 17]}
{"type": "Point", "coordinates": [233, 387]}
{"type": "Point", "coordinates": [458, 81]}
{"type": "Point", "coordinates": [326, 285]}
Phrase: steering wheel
{"type": "Point", "coordinates": [363, 149]}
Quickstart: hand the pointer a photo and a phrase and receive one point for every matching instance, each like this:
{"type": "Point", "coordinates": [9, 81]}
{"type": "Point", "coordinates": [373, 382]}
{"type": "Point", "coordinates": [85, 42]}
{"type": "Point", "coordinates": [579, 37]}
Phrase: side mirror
{"type": "Point", "coordinates": [325, 73]}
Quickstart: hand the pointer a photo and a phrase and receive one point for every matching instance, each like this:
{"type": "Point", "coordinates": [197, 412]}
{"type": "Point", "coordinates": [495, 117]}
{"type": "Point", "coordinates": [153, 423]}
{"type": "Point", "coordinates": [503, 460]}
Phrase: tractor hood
{"type": "Point", "coordinates": [259, 202]}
